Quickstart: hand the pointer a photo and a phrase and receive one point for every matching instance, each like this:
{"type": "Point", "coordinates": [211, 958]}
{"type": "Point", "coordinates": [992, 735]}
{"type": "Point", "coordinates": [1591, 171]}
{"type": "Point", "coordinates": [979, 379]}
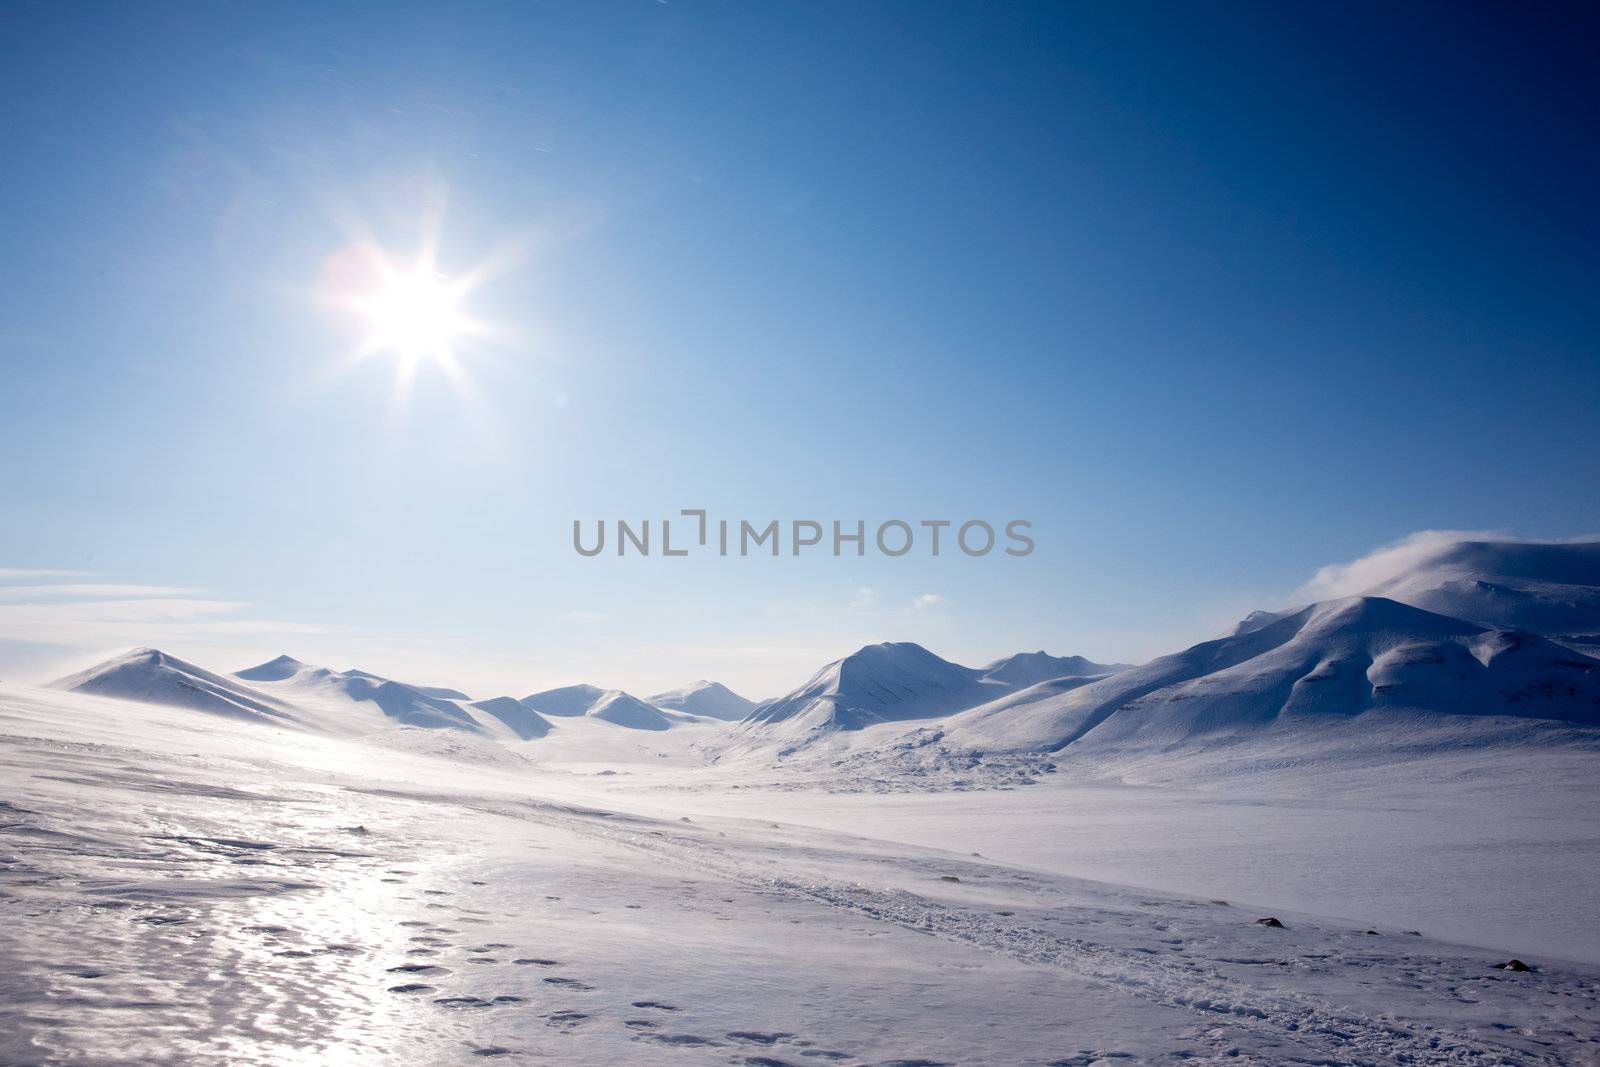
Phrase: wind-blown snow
{"type": "Point", "coordinates": [151, 676]}
{"type": "Point", "coordinates": [187, 889]}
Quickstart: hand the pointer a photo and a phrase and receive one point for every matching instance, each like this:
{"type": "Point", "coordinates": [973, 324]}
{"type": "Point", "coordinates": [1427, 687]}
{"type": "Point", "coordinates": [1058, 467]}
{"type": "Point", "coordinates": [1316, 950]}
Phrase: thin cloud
{"type": "Point", "coordinates": [864, 599]}
{"type": "Point", "coordinates": [924, 601]}
{"type": "Point", "coordinates": [11, 574]}
{"type": "Point", "coordinates": [32, 592]}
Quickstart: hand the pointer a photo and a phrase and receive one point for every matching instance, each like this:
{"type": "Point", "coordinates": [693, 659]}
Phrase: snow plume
{"type": "Point", "coordinates": [1356, 577]}
{"type": "Point", "coordinates": [1410, 552]}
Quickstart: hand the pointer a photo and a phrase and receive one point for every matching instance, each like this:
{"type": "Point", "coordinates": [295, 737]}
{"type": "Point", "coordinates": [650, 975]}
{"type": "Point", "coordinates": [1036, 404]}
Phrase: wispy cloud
{"type": "Point", "coordinates": [35, 592]}
{"type": "Point", "coordinates": [109, 614]}
{"type": "Point", "coordinates": [864, 599]}
{"type": "Point", "coordinates": [924, 601]}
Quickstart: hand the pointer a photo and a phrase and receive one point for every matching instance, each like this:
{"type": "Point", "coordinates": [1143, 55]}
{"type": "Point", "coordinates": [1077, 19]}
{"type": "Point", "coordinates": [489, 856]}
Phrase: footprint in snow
{"type": "Point", "coordinates": [535, 962]}
{"type": "Point", "coordinates": [411, 987]}
{"type": "Point", "coordinates": [685, 1040]}
{"type": "Point", "coordinates": [461, 1002]}
{"type": "Point", "coordinates": [492, 1050]}
{"type": "Point", "coordinates": [419, 968]}
{"type": "Point", "coordinates": [756, 1037]}
{"type": "Point", "coordinates": [656, 1004]}
{"type": "Point", "coordinates": [571, 983]}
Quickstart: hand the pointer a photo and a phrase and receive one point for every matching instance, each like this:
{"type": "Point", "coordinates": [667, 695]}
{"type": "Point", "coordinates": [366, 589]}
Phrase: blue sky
{"type": "Point", "coordinates": [1213, 298]}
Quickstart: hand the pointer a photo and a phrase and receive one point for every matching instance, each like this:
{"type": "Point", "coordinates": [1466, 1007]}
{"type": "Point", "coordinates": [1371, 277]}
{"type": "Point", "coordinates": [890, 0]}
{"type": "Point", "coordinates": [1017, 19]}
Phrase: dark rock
{"type": "Point", "coordinates": [1513, 965]}
{"type": "Point", "coordinates": [1270, 921]}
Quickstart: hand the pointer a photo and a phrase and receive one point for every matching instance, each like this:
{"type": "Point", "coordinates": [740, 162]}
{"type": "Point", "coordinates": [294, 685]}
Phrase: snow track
{"type": "Point", "coordinates": [1307, 1028]}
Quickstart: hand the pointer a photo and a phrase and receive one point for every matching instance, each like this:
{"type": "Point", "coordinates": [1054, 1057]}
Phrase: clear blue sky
{"type": "Point", "coordinates": [1213, 296]}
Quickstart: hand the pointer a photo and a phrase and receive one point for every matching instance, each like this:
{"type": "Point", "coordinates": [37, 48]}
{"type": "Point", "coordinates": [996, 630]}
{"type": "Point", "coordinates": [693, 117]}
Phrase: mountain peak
{"type": "Point", "coordinates": [886, 682]}
{"type": "Point", "coordinates": [1024, 669]}
{"type": "Point", "coordinates": [702, 697]}
{"type": "Point", "coordinates": [274, 670]}
{"type": "Point", "coordinates": [566, 701]}
{"type": "Point", "coordinates": [151, 676]}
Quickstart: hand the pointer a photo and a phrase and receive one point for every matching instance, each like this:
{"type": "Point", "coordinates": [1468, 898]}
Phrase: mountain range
{"type": "Point", "coordinates": [1485, 630]}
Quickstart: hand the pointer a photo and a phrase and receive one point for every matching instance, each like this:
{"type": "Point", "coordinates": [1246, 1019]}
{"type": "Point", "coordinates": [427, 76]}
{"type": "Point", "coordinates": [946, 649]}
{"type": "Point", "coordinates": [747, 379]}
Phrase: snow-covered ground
{"type": "Point", "coordinates": [905, 860]}
{"type": "Point", "coordinates": [188, 888]}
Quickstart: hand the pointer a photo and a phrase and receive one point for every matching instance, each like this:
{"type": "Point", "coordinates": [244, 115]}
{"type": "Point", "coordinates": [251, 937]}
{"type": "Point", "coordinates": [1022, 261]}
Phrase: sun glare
{"type": "Point", "coordinates": [414, 314]}
{"type": "Point", "coordinates": [407, 311]}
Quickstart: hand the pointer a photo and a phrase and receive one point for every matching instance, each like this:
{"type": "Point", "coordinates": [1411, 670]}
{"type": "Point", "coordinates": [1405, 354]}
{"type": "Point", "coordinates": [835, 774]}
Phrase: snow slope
{"type": "Point", "coordinates": [879, 683]}
{"type": "Point", "coordinates": [1551, 589]}
{"type": "Point", "coordinates": [623, 709]}
{"type": "Point", "coordinates": [358, 702]}
{"type": "Point", "coordinates": [151, 676]}
{"type": "Point", "coordinates": [522, 720]}
{"type": "Point", "coordinates": [1335, 660]}
{"type": "Point", "coordinates": [1030, 668]}
{"type": "Point", "coordinates": [188, 890]}
{"type": "Point", "coordinates": [568, 700]}
{"type": "Point", "coordinates": [711, 699]}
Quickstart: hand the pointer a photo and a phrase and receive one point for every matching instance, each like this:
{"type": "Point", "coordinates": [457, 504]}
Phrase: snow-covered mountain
{"type": "Point", "coordinates": [624, 709]}
{"type": "Point", "coordinates": [876, 684]}
{"type": "Point", "coordinates": [711, 699]}
{"type": "Point", "coordinates": [1030, 668]}
{"type": "Point", "coordinates": [356, 701]}
{"type": "Point", "coordinates": [565, 701]}
{"type": "Point", "coordinates": [522, 720]}
{"type": "Point", "coordinates": [1468, 632]}
{"type": "Point", "coordinates": [1337, 659]}
{"type": "Point", "coordinates": [1548, 588]}
{"type": "Point", "coordinates": [150, 676]}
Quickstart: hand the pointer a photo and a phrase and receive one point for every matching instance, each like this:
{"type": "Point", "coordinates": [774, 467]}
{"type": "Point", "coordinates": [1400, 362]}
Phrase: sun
{"type": "Point", "coordinates": [414, 313]}
{"type": "Point", "coordinates": [411, 312]}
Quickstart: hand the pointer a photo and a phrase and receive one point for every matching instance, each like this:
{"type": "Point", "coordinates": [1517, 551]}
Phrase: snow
{"type": "Point", "coordinates": [523, 721]}
{"type": "Point", "coordinates": [1045, 860]}
{"type": "Point", "coordinates": [879, 683]}
{"type": "Point", "coordinates": [711, 699]}
{"type": "Point", "coordinates": [622, 709]}
{"type": "Point", "coordinates": [1031, 668]}
{"type": "Point", "coordinates": [1342, 659]}
{"type": "Point", "coordinates": [151, 676]}
{"type": "Point", "coordinates": [187, 889]}
{"type": "Point", "coordinates": [568, 700]}
{"type": "Point", "coordinates": [1543, 587]}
